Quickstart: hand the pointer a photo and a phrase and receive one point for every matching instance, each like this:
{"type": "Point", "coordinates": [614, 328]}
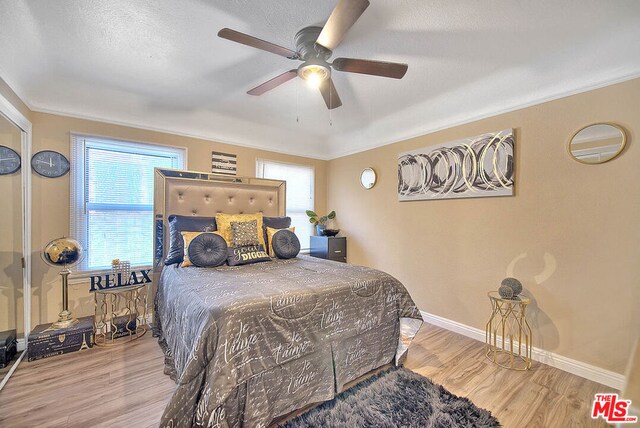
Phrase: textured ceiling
{"type": "Point", "coordinates": [159, 65]}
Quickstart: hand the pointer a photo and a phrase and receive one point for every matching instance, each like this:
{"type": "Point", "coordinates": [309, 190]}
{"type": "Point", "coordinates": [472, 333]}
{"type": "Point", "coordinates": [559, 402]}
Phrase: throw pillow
{"type": "Point", "coordinates": [286, 244]}
{"type": "Point", "coordinates": [244, 233]}
{"type": "Point", "coordinates": [247, 255]}
{"type": "Point", "coordinates": [184, 223]}
{"type": "Point", "coordinates": [282, 222]}
{"type": "Point", "coordinates": [270, 233]}
{"type": "Point", "coordinates": [223, 221]}
{"type": "Point", "coordinates": [187, 237]}
{"type": "Point", "coordinates": [207, 250]}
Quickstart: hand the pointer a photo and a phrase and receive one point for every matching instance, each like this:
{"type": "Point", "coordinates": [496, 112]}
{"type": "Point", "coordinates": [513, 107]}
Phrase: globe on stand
{"type": "Point", "coordinates": [63, 252]}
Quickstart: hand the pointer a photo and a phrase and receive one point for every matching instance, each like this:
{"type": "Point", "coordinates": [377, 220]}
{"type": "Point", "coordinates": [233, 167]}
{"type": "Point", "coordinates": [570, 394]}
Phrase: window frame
{"type": "Point", "coordinates": [78, 190]}
{"type": "Point", "coordinates": [260, 174]}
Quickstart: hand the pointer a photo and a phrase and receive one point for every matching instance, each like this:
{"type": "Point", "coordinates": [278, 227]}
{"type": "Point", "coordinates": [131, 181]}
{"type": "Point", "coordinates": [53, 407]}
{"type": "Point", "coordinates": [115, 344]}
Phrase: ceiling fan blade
{"type": "Point", "coordinates": [254, 42]}
{"type": "Point", "coordinates": [374, 68]}
{"type": "Point", "coordinates": [330, 95]}
{"type": "Point", "coordinates": [344, 15]}
{"type": "Point", "coordinates": [273, 83]}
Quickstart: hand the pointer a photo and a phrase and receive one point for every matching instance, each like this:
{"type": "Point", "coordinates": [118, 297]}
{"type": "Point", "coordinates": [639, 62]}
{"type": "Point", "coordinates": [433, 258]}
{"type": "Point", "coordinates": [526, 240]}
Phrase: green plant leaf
{"type": "Point", "coordinates": [331, 215]}
{"type": "Point", "coordinates": [311, 213]}
{"type": "Point", "coordinates": [312, 220]}
{"type": "Point", "coordinates": [323, 219]}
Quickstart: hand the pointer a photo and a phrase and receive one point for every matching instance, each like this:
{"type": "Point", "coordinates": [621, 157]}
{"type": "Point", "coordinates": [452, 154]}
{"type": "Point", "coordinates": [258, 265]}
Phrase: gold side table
{"type": "Point", "coordinates": [508, 335]}
{"type": "Point", "coordinates": [120, 314]}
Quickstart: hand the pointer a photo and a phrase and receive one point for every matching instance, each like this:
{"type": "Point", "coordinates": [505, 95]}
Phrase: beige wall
{"type": "Point", "coordinates": [51, 196]}
{"type": "Point", "coordinates": [571, 233]}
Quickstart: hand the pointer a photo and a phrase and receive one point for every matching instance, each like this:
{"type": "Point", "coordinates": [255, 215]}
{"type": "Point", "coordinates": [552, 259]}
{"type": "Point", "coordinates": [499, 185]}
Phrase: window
{"type": "Point", "coordinates": [300, 188]}
{"type": "Point", "coordinates": [112, 198]}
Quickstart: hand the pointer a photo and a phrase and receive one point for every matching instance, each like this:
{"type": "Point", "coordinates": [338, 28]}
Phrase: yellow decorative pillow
{"type": "Point", "coordinates": [188, 237]}
{"type": "Point", "coordinates": [270, 232]}
{"type": "Point", "coordinates": [223, 222]}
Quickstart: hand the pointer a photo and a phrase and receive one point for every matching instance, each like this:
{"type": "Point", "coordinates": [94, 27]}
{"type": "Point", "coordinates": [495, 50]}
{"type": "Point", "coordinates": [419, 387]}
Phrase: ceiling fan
{"type": "Point", "coordinates": [314, 46]}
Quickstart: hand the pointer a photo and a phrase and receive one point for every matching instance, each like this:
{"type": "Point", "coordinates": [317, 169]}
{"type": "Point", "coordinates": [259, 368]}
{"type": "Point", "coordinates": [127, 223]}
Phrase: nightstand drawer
{"type": "Point", "coordinates": [337, 247]}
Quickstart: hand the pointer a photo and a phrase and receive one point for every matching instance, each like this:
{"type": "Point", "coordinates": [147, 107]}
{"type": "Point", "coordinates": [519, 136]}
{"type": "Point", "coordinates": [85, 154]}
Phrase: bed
{"type": "Point", "coordinates": [247, 344]}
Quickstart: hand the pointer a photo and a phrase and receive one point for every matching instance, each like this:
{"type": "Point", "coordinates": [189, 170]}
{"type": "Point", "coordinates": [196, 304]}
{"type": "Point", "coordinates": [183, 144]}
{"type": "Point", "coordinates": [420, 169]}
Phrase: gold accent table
{"type": "Point", "coordinates": [512, 350]}
{"type": "Point", "coordinates": [120, 314]}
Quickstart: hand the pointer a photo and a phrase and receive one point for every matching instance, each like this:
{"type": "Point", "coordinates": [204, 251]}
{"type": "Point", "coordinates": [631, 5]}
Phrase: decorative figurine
{"type": "Point", "coordinates": [505, 292]}
{"type": "Point", "coordinates": [513, 284]}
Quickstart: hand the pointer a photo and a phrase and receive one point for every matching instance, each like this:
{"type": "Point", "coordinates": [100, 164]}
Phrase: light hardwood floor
{"type": "Point", "coordinates": [126, 387]}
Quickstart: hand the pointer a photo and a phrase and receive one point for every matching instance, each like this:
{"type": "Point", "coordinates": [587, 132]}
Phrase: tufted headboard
{"type": "Point", "coordinates": [202, 194]}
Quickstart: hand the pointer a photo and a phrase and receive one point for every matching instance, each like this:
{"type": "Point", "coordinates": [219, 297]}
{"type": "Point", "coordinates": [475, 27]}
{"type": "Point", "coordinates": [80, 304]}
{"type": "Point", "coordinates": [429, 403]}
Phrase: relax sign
{"type": "Point", "coordinates": [104, 282]}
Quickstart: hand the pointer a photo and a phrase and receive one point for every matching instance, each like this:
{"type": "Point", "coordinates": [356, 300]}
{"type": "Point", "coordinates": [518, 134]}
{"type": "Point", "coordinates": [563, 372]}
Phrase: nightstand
{"type": "Point", "coordinates": [329, 247]}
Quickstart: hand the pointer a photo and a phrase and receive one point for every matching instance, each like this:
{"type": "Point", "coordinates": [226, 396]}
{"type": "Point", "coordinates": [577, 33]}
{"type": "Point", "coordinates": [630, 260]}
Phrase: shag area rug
{"type": "Point", "coordinates": [396, 398]}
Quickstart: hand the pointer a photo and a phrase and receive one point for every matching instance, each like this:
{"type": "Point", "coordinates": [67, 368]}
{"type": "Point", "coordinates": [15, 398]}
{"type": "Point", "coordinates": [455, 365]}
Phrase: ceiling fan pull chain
{"type": "Point", "coordinates": [298, 102]}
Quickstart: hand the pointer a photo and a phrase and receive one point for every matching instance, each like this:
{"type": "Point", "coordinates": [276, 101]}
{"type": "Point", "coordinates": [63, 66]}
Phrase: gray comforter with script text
{"type": "Point", "coordinates": [249, 343]}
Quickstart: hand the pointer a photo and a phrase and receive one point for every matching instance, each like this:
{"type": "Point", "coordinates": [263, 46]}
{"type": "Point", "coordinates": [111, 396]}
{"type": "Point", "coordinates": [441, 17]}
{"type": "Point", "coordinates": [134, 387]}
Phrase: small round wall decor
{"type": "Point", "coordinates": [9, 160]}
{"type": "Point", "coordinates": [50, 164]}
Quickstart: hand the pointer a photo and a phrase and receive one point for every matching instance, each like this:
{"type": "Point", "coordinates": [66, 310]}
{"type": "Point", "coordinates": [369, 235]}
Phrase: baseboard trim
{"type": "Point", "coordinates": [578, 368]}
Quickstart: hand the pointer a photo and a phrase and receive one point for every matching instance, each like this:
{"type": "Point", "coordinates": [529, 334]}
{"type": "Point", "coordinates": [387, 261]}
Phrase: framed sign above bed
{"type": "Point", "coordinates": [224, 163]}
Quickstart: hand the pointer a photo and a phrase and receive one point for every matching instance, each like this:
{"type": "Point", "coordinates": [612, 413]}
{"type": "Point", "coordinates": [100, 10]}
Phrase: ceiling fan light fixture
{"type": "Point", "coordinates": [314, 74]}
{"type": "Point", "coordinates": [315, 77]}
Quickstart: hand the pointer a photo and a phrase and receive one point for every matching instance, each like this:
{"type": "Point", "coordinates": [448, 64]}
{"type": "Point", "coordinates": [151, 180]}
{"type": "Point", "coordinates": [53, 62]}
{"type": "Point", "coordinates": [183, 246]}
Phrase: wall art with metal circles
{"type": "Point", "coordinates": [474, 167]}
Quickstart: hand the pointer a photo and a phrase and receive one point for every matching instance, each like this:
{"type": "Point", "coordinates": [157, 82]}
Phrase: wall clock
{"type": "Point", "coordinates": [50, 164]}
{"type": "Point", "coordinates": [9, 160]}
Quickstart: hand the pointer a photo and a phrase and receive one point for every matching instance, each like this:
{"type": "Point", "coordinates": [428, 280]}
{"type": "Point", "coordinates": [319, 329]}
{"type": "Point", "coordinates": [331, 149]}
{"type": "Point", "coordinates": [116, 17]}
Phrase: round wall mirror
{"type": "Point", "coordinates": [597, 143]}
{"type": "Point", "coordinates": [368, 178]}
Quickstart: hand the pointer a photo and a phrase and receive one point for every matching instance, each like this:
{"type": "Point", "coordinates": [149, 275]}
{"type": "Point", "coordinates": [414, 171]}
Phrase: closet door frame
{"type": "Point", "coordinates": [14, 115]}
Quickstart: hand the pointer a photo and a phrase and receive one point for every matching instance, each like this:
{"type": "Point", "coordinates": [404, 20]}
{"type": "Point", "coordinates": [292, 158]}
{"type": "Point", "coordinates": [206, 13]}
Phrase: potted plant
{"type": "Point", "coordinates": [320, 222]}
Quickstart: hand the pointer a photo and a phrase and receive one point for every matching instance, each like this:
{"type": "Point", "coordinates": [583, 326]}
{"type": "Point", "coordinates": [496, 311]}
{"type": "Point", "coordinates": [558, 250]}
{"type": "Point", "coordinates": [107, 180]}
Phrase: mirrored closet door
{"type": "Point", "coordinates": [14, 230]}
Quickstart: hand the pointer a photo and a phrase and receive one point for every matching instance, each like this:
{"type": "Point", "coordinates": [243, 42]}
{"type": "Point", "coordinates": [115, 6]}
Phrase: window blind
{"type": "Point", "coordinates": [300, 193]}
{"type": "Point", "coordinates": [112, 198]}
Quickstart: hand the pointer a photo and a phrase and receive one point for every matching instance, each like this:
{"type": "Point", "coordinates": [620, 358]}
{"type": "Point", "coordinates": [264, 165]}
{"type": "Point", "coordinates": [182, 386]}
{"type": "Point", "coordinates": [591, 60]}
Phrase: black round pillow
{"type": "Point", "coordinates": [285, 244]}
{"type": "Point", "coordinates": [207, 250]}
